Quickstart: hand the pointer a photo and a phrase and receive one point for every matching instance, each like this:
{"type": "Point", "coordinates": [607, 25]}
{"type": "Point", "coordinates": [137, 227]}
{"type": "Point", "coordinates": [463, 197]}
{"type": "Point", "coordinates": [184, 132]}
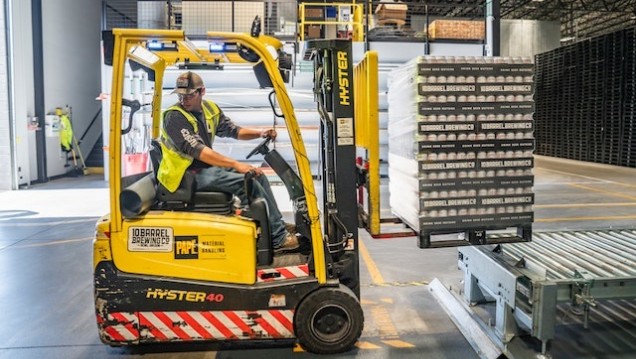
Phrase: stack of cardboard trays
{"type": "Point", "coordinates": [461, 143]}
{"type": "Point", "coordinates": [457, 30]}
{"type": "Point", "coordinates": [391, 11]}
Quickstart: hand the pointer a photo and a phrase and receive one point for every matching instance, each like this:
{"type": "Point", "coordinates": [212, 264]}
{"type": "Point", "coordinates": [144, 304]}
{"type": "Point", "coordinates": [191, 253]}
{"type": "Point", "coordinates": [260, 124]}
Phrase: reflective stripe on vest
{"type": "Point", "coordinates": [174, 163]}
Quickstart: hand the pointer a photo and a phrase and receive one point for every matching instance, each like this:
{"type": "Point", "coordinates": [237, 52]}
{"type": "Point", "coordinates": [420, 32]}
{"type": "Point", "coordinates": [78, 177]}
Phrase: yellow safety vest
{"type": "Point", "coordinates": [66, 133]}
{"type": "Point", "coordinates": [174, 163]}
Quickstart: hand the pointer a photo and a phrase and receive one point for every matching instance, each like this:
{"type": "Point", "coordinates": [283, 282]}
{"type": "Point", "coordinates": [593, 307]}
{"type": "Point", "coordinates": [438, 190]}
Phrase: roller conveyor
{"type": "Point", "coordinates": [527, 281]}
{"type": "Point", "coordinates": [600, 253]}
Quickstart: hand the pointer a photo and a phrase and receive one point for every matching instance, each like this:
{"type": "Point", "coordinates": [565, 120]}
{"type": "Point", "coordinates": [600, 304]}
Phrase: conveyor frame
{"type": "Point", "coordinates": [528, 280]}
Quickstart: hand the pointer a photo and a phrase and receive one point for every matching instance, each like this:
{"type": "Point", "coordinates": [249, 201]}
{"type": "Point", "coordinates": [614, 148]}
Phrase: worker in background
{"type": "Point", "coordinates": [187, 135]}
{"type": "Point", "coordinates": [66, 130]}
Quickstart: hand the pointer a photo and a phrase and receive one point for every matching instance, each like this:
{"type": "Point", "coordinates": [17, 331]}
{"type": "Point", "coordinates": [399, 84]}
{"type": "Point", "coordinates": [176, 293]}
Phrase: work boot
{"type": "Point", "coordinates": [289, 243]}
{"type": "Point", "coordinates": [290, 227]}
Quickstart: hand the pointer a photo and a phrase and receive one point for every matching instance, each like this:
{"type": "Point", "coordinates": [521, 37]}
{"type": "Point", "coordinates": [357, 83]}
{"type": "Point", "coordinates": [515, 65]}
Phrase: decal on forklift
{"type": "Point", "coordinates": [343, 78]}
{"type": "Point", "coordinates": [183, 295]}
{"type": "Point", "coordinates": [150, 239]}
{"type": "Point", "coordinates": [212, 249]}
{"type": "Point", "coordinates": [350, 245]}
{"type": "Point", "coordinates": [282, 273]}
{"type": "Point", "coordinates": [277, 300]}
{"type": "Point", "coordinates": [345, 131]}
{"type": "Point", "coordinates": [189, 247]}
{"type": "Point", "coordinates": [186, 247]}
{"type": "Point", "coordinates": [196, 325]}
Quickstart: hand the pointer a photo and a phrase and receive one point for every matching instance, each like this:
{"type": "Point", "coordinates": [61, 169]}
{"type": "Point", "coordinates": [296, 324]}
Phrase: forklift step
{"type": "Point", "coordinates": [288, 259]}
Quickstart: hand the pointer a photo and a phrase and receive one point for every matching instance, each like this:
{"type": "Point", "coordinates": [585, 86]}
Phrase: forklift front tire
{"type": "Point", "coordinates": [329, 321]}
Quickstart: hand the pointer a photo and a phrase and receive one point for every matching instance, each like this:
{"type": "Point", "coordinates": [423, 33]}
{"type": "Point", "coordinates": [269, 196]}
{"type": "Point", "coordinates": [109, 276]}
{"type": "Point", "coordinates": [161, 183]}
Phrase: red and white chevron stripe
{"type": "Point", "coordinates": [194, 325]}
{"type": "Point", "coordinates": [119, 327]}
{"type": "Point", "coordinates": [282, 273]}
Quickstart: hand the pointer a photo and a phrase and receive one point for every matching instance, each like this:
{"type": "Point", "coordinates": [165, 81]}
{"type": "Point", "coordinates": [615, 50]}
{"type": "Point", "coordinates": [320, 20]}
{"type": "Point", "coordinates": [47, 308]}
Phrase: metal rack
{"type": "Point", "coordinates": [529, 280]}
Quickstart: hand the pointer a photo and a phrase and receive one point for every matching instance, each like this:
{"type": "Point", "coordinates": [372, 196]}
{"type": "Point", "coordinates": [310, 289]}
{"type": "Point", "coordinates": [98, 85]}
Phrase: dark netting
{"type": "Point", "coordinates": [119, 13]}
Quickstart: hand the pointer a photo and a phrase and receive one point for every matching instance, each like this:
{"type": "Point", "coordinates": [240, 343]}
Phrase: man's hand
{"type": "Point", "coordinates": [271, 133]}
{"type": "Point", "coordinates": [241, 167]}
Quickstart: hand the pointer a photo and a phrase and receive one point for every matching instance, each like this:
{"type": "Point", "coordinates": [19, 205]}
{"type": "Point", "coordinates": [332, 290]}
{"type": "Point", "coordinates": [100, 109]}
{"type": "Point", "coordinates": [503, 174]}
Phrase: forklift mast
{"type": "Point", "coordinates": [333, 91]}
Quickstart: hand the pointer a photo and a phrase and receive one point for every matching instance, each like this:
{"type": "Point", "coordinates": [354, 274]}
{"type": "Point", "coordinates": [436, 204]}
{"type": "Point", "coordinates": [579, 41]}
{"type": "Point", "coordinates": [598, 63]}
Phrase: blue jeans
{"type": "Point", "coordinates": [218, 179]}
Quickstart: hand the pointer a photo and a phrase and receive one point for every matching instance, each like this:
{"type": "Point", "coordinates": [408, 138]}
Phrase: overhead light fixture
{"type": "Point", "coordinates": [567, 38]}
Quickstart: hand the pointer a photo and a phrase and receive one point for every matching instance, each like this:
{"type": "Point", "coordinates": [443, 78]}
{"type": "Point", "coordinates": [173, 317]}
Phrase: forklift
{"type": "Point", "coordinates": [190, 266]}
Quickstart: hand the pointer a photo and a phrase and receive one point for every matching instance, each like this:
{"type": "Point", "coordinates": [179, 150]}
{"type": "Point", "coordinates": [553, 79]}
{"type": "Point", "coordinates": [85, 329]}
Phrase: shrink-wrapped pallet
{"type": "Point", "coordinates": [461, 143]}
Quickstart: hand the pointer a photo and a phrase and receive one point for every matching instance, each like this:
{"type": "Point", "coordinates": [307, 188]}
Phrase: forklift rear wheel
{"type": "Point", "coordinates": [329, 321]}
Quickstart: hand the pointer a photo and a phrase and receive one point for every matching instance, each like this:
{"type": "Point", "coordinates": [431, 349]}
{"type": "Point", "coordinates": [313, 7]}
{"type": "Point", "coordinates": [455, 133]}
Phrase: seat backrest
{"type": "Point", "coordinates": [186, 197]}
{"type": "Point", "coordinates": [184, 194]}
{"type": "Point", "coordinates": [155, 155]}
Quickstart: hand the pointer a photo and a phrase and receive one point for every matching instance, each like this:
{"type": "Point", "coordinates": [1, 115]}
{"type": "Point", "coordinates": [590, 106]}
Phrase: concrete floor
{"type": "Point", "coordinates": [46, 299]}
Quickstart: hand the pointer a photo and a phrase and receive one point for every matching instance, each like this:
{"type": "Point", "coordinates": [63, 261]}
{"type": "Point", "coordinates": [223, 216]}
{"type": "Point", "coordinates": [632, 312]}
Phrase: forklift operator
{"type": "Point", "coordinates": [187, 135]}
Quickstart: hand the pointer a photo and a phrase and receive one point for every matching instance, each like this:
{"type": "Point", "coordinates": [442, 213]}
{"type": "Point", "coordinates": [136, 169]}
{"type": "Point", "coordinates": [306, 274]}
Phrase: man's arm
{"type": "Point", "coordinates": [214, 158]}
{"type": "Point", "coordinates": [227, 128]}
{"type": "Point", "coordinates": [182, 134]}
{"type": "Point", "coordinates": [251, 133]}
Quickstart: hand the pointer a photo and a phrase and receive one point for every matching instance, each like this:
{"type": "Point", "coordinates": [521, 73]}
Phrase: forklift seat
{"type": "Point", "coordinates": [186, 197]}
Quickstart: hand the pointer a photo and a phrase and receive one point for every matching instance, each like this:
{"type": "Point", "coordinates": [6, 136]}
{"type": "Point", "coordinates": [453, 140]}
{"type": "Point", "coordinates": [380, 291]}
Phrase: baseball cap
{"type": "Point", "coordinates": [187, 83]}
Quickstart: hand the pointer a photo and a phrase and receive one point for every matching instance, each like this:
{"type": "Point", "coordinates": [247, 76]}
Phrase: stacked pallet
{"type": "Point", "coordinates": [461, 144]}
{"type": "Point", "coordinates": [585, 100]}
{"type": "Point", "coordinates": [628, 148]}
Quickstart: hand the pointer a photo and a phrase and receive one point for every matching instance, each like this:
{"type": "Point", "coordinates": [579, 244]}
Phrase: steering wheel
{"type": "Point", "coordinates": [261, 148]}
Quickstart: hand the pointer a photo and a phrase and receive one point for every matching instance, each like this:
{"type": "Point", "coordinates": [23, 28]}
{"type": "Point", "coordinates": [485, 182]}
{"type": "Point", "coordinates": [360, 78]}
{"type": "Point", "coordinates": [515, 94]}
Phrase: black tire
{"type": "Point", "coordinates": [329, 321]}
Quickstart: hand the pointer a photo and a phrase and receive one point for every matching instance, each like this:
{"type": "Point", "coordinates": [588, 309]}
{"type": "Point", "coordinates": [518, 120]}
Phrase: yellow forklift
{"type": "Point", "coordinates": [190, 266]}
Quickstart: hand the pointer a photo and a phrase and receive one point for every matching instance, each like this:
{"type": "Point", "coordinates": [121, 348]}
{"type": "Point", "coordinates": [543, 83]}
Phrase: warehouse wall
{"type": "Point", "coordinates": [5, 149]}
{"type": "Point", "coordinates": [152, 15]}
{"type": "Point", "coordinates": [17, 143]}
{"type": "Point", "coordinates": [529, 37]}
{"type": "Point", "coordinates": [23, 100]}
{"type": "Point", "coordinates": [71, 34]}
{"type": "Point", "coordinates": [200, 17]}
{"type": "Point", "coordinates": [71, 37]}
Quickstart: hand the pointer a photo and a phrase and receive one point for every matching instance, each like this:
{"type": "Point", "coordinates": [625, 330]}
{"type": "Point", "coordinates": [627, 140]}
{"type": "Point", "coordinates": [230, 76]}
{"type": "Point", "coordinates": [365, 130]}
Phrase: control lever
{"type": "Point", "coordinates": [135, 106]}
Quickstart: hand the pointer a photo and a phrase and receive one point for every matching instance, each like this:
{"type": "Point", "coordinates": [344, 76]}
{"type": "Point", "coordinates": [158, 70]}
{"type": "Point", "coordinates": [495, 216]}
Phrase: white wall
{"type": "Point", "coordinates": [529, 37]}
{"type": "Point", "coordinates": [5, 137]}
{"type": "Point", "coordinates": [14, 143]}
{"type": "Point", "coordinates": [71, 36]}
{"type": "Point", "coordinates": [23, 100]}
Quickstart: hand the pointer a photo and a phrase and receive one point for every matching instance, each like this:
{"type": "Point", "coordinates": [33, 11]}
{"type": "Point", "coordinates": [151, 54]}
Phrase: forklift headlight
{"type": "Point", "coordinates": [217, 47]}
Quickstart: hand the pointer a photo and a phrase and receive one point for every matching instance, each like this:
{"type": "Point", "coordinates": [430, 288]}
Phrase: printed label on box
{"type": "Point", "coordinates": [475, 69]}
{"type": "Point", "coordinates": [472, 108]}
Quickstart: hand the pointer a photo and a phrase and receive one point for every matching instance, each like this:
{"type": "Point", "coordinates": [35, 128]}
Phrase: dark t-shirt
{"type": "Point", "coordinates": [182, 134]}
